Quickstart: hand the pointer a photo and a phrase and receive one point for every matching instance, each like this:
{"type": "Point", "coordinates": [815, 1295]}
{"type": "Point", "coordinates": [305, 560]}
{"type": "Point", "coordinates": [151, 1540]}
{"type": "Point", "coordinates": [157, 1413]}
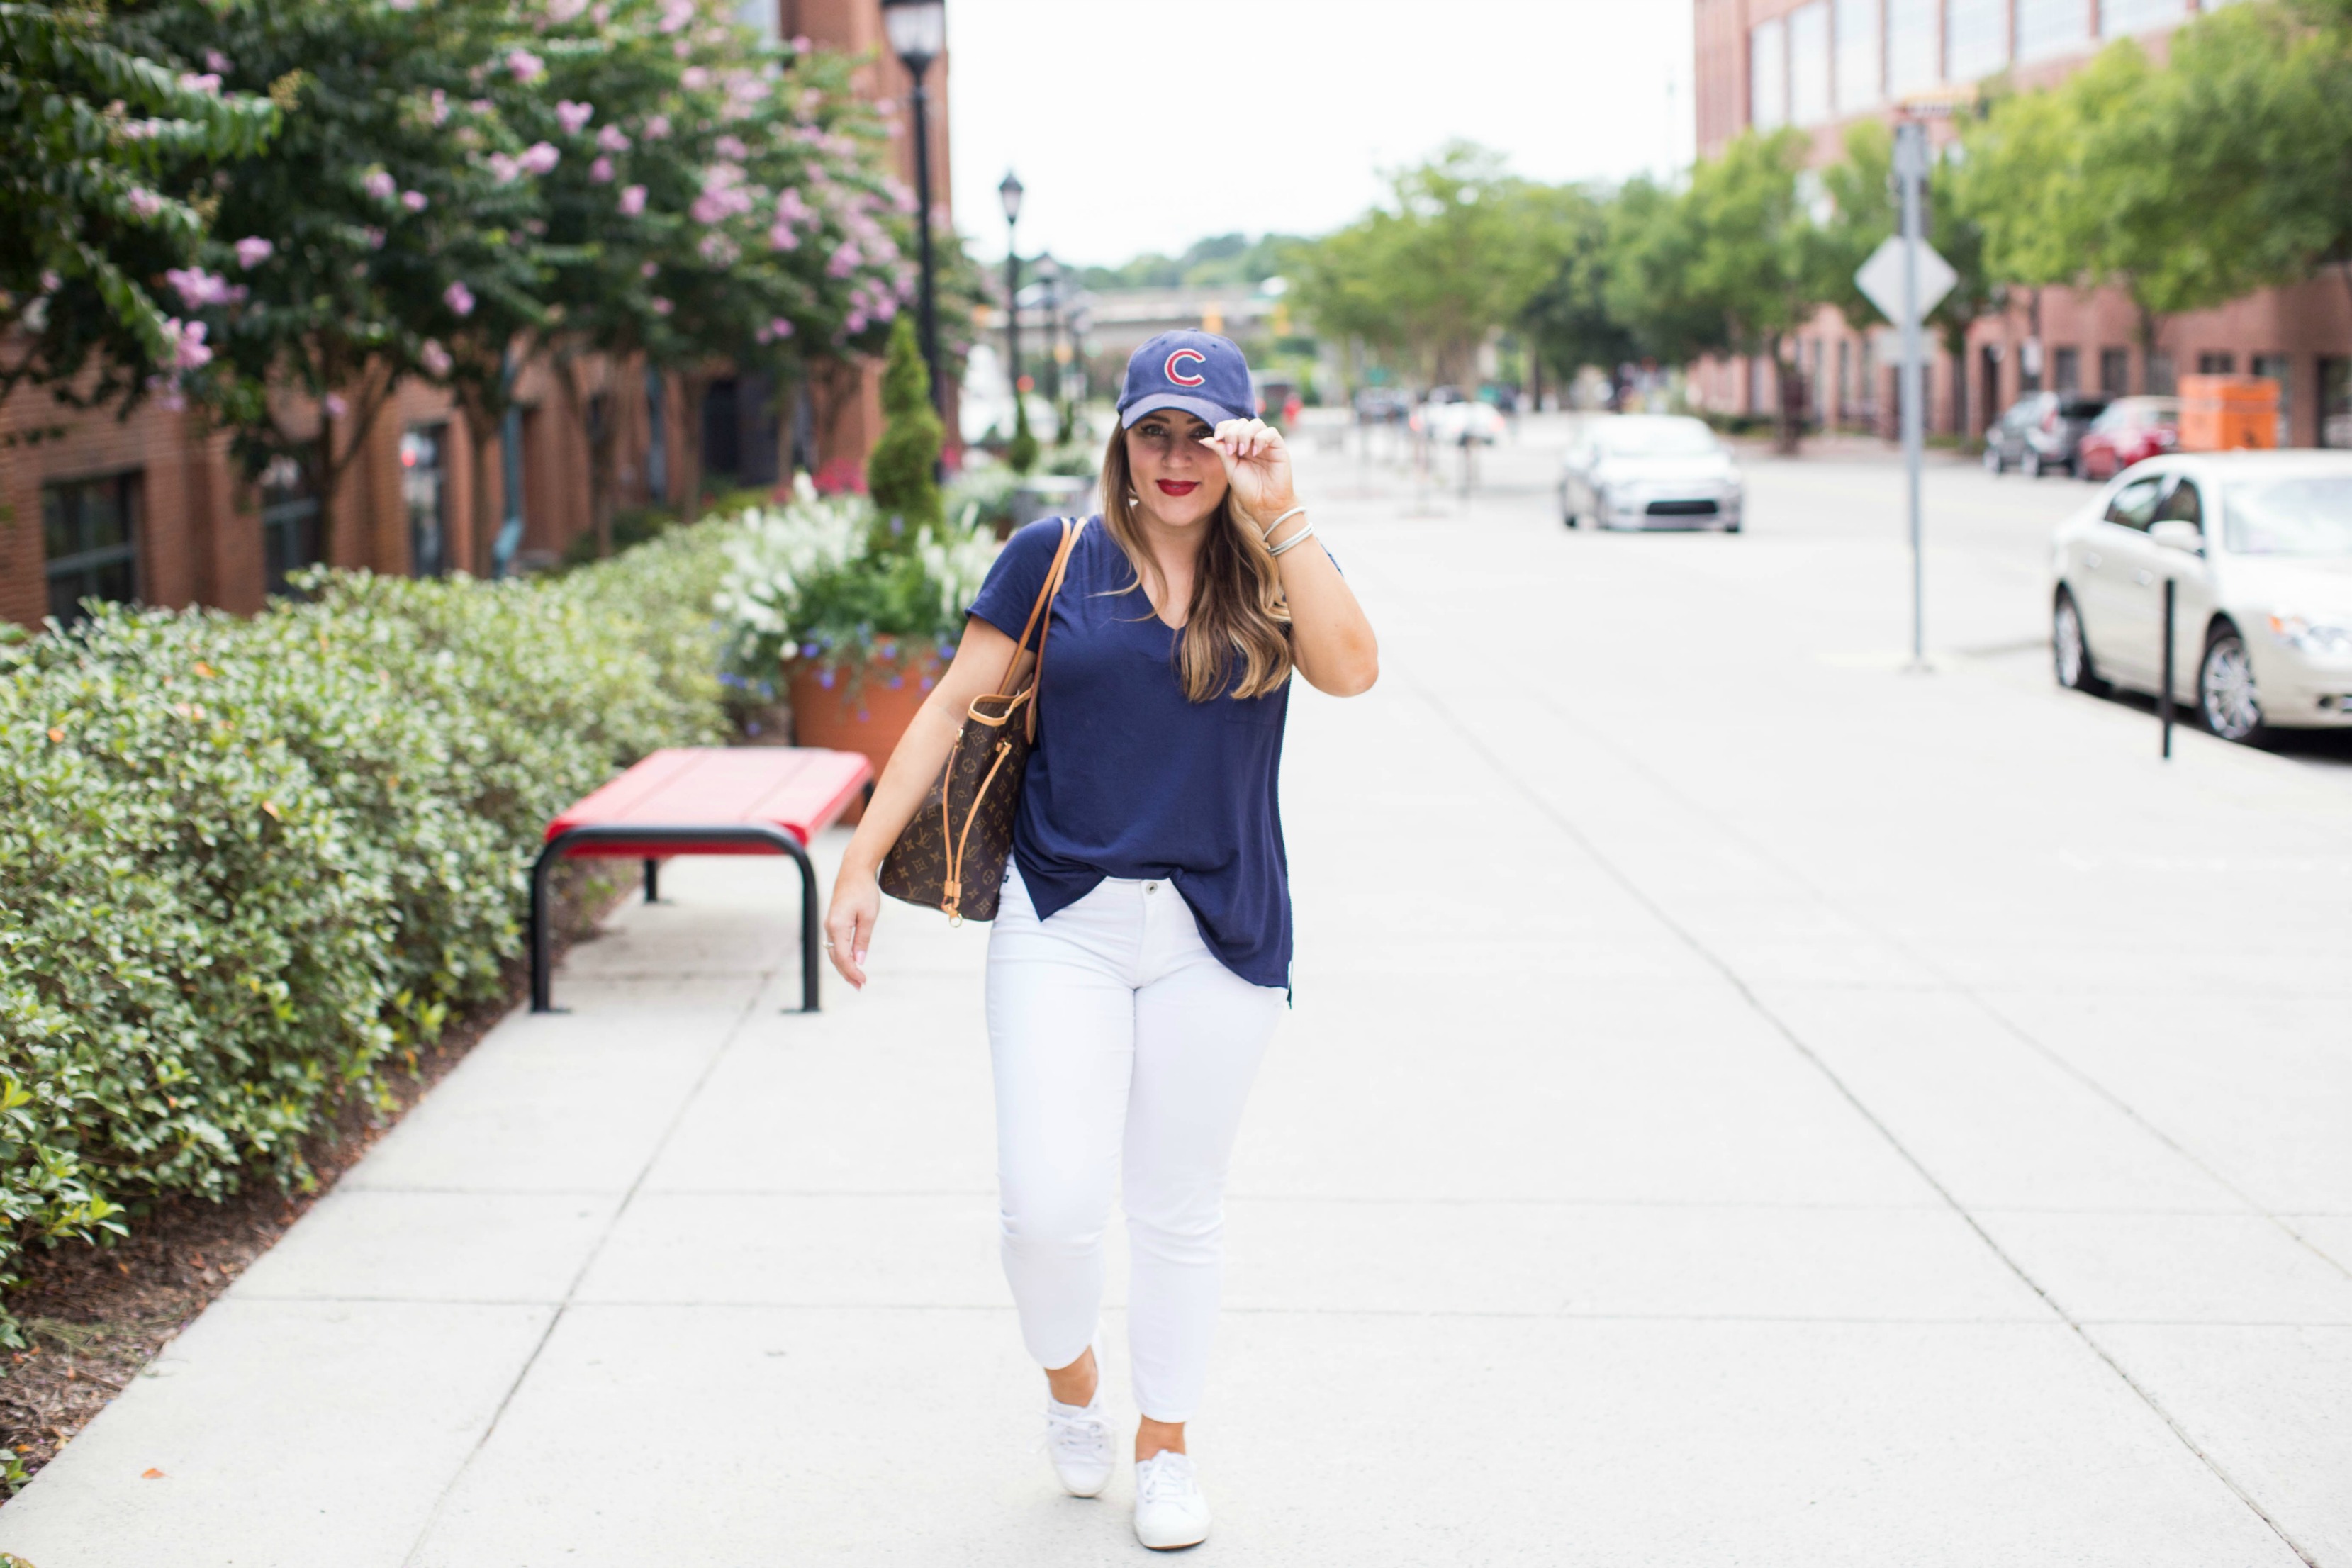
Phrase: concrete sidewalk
{"type": "Point", "coordinates": [1743, 1105]}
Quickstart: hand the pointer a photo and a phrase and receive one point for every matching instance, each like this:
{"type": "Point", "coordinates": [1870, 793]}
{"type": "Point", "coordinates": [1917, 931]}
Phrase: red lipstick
{"type": "Point", "coordinates": [1178, 487]}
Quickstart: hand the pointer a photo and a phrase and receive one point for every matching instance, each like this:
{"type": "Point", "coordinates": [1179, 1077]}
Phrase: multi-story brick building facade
{"type": "Point", "coordinates": [153, 508]}
{"type": "Point", "coordinates": [1819, 65]}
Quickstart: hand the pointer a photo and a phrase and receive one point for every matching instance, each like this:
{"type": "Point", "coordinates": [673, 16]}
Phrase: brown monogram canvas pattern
{"type": "Point", "coordinates": [952, 855]}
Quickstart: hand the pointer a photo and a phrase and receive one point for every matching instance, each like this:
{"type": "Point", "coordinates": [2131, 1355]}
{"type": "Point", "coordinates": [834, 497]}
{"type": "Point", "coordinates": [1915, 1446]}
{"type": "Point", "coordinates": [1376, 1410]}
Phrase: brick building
{"type": "Point", "coordinates": [1819, 65]}
{"type": "Point", "coordinates": [153, 509]}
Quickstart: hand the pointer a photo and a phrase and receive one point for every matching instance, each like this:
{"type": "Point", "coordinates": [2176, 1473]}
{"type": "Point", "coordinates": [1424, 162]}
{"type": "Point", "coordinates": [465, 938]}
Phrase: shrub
{"type": "Point", "coordinates": [243, 861]}
{"type": "Point", "coordinates": [902, 471]}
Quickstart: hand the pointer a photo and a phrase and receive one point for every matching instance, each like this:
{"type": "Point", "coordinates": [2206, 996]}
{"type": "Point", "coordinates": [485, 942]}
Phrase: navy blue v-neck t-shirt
{"type": "Point", "coordinates": [1131, 778]}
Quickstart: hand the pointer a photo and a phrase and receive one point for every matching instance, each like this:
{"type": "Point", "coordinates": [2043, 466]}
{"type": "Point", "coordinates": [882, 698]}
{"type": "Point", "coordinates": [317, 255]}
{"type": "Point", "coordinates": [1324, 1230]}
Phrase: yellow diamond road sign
{"type": "Point", "coordinates": [1881, 278]}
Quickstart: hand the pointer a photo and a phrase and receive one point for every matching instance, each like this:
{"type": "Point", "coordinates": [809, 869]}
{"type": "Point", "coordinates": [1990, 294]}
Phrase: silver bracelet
{"type": "Point", "coordinates": [1268, 532]}
{"type": "Point", "coordinates": [1295, 540]}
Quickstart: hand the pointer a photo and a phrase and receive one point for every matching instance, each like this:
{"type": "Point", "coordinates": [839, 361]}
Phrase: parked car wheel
{"type": "Point", "coordinates": [2226, 698]}
{"type": "Point", "coordinates": [2070, 652]}
{"type": "Point", "coordinates": [1993, 464]}
{"type": "Point", "coordinates": [2030, 465]}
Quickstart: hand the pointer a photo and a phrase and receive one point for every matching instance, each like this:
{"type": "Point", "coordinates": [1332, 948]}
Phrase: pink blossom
{"type": "Point", "coordinates": [789, 209]}
{"type": "Point", "coordinates": [379, 186]}
{"type": "Point", "coordinates": [780, 327]}
{"type": "Point", "coordinates": [600, 172]}
{"type": "Point", "coordinates": [50, 282]}
{"type": "Point", "coordinates": [540, 157]}
{"type": "Point", "coordinates": [414, 201]}
{"type": "Point", "coordinates": [572, 116]}
{"type": "Point", "coordinates": [856, 323]}
{"type": "Point", "coordinates": [902, 198]}
{"type": "Point", "coordinates": [613, 139]}
{"type": "Point", "coordinates": [663, 307]}
{"type": "Point", "coordinates": [731, 147]}
{"type": "Point", "coordinates": [782, 237]}
{"type": "Point", "coordinates": [434, 358]}
{"type": "Point", "coordinates": [657, 127]}
{"type": "Point", "coordinates": [800, 45]}
{"type": "Point", "coordinates": [458, 298]}
{"type": "Point", "coordinates": [844, 261]}
{"type": "Point", "coordinates": [562, 10]}
{"type": "Point", "coordinates": [677, 14]}
{"type": "Point", "coordinates": [633, 201]}
{"type": "Point", "coordinates": [525, 66]}
{"type": "Point", "coordinates": [188, 349]}
{"type": "Point", "coordinates": [209, 82]}
{"type": "Point", "coordinates": [648, 270]}
{"type": "Point", "coordinates": [438, 113]}
{"type": "Point", "coordinates": [143, 202]}
{"type": "Point", "coordinates": [198, 288]}
{"type": "Point", "coordinates": [503, 169]}
{"type": "Point", "coordinates": [253, 250]}
{"type": "Point", "coordinates": [334, 406]}
{"type": "Point", "coordinates": [694, 79]}
{"type": "Point", "coordinates": [216, 62]}
{"type": "Point", "coordinates": [401, 4]}
{"type": "Point", "coordinates": [480, 105]}
{"type": "Point", "coordinates": [374, 237]}
{"type": "Point", "coordinates": [719, 250]}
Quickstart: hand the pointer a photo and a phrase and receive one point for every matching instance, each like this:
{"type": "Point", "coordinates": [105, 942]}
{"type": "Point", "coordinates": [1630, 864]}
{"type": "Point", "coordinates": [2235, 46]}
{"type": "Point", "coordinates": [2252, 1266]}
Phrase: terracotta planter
{"type": "Point", "coordinates": [844, 709]}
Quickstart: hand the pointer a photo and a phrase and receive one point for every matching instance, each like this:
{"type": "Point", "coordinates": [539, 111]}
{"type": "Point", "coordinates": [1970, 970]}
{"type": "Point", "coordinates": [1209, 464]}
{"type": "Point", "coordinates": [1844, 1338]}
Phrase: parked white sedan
{"type": "Point", "coordinates": [1649, 470]}
{"type": "Point", "coordinates": [2260, 544]}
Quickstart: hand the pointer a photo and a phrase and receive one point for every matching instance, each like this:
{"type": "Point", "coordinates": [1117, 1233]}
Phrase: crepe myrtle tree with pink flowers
{"type": "Point", "coordinates": [717, 204]}
{"type": "Point", "coordinates": [104, 150]}
{"type": "Point", "coordinates": [388, 228]}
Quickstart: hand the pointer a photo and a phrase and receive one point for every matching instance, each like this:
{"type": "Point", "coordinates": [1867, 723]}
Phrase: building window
{"type": "Point", "coordinates": [2278, 369]}
{"type": "Point", "coordinates": [1912, 46]}
{"type": "Point", "coordinates": [1767, 76]}
{"type": "Point", "coordinates": [2335, 402]}
{"type": "Point", "coordinates": [2114, 372]}
{"type": "Point", "coordinates": [1976, 39]}
{"type": "Point", "coordinates": [423, 488]}
{"type": "Point", "coordinates": [2217, 364]}
{"type": "Point", "coordinates": [2118, 17]}
{"type": "Point", "coordinates": [1809, 63]}
{"type": "Point", "coordinates": [289, 523]}
{"type": "Point", "coordinates": [2047, 27]}
{"type": "Point", "coordinates": [2066, 371]}
{"type": "Point", "coordinates": [2160, 380]}
{"type": "Point", "coordinates": [1861, 55]}
{"type": "Point", "coordinates": [89, 535]}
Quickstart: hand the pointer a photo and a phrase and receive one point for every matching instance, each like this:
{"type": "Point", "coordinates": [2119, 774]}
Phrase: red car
{"type": "Point", "coordinates": [2132, 430]}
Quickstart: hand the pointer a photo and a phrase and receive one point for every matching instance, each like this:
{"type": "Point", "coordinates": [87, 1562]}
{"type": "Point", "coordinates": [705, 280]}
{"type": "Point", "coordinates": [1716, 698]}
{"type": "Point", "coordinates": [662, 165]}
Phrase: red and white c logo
{"type": "Point", "coordinates": [1178, 376]}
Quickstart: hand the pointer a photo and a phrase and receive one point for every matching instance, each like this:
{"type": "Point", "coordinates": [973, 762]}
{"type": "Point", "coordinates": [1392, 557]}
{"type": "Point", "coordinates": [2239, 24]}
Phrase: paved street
{"type": "Point", "coordinates": [1744, 1104]}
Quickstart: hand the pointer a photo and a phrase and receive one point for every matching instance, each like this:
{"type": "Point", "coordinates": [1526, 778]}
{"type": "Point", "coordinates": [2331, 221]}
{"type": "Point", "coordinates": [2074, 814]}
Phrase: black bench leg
{"type": "Point", "coordinates": [811, 942]}
{"type": "Point", "coordinates": [542, 940]}
{"type": "Point", "coordinates": [653, 882]}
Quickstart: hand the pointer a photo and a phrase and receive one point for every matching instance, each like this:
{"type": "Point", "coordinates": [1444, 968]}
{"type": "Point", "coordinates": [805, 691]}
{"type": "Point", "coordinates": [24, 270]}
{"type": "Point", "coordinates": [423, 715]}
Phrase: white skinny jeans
{"type": "Point", "coordinates": [1123, 1051]}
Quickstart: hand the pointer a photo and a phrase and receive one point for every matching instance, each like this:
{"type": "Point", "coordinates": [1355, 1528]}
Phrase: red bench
{"type": "Point", "coordinates": [703, 800]}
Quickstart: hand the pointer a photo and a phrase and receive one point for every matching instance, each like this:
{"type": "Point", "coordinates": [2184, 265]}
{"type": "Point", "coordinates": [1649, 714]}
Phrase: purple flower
{"type": "Point", "coordinates": [613, 139]}
{"type": "Point", "coordinates": [458, 298]}
{"type": "Point", "coordinates": [824, 678]}
{"type": "Point", "coordinates": [525, 66]}
{"type": "Point", "coordinates": [573, 117]}
{"type": "Point", "coordinates": [414, 201]}
{"type": "Point", "coordinates": [434, 358]}
{"type": "Point", "coordinates": [633, 201]}
{"type": "Point", "coordinates": [379, 186]}
{"type": "Point", "coordinates": [600, 172]}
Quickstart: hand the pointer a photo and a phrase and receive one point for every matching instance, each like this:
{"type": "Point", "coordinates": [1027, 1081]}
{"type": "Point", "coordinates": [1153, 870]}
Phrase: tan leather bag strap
{"type": "Point", "coordinates": [1043, 609]}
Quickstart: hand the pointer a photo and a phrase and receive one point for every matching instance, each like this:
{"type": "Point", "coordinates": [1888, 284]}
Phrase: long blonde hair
{"type": "Point", "coordinates": [1237, 617]}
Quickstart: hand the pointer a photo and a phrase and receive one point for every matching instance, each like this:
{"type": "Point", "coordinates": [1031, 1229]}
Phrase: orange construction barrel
{"type": "Point", "coordinates": [2228, 413]}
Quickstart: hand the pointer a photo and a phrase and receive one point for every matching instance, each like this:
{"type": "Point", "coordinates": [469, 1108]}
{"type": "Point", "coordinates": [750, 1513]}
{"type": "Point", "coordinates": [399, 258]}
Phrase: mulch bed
{"type": "Point", "coordinates": [97, 1315]}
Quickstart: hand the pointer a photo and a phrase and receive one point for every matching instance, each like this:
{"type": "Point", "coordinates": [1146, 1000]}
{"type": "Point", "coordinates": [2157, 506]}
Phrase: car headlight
{"type": "Point", "coordinates": [2302, 633]}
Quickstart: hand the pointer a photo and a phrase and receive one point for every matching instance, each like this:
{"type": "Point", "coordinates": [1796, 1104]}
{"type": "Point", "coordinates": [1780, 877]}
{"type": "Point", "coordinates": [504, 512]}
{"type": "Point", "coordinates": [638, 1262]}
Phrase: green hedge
{"type": "Point", "coordinates": [243, 861]}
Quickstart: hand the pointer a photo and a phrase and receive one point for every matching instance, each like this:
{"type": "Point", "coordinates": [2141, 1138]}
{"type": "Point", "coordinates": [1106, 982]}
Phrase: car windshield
{"type": "Point", "coordinates": [1674, 439]}
{"type": "Point", "coordinates": [2309, 516]}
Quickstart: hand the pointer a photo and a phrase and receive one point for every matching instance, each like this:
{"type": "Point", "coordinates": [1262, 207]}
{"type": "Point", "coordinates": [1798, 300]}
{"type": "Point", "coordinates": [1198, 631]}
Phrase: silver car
{"type": "Point", "coordinates": [1650, 470]}
{"type": "Point", "coordinates": [2260, 544]}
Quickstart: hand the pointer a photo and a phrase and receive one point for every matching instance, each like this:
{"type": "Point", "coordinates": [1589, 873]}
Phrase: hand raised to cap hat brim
{"type": "Point", "coordinates": [1257, 466]}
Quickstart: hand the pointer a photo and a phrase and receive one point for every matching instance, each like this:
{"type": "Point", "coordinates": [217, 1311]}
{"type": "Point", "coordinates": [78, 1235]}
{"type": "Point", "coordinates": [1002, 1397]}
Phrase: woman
{"type": "Point", "coordinates": [1141, 949]}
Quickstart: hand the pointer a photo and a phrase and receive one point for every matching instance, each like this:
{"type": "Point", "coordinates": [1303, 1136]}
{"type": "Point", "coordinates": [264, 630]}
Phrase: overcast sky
{"type": "Point", "coordinates": [1143, 127]}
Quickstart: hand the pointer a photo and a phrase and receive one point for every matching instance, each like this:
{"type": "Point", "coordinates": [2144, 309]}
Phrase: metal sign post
{"type": "Point", "coordinates": [1905, 279]}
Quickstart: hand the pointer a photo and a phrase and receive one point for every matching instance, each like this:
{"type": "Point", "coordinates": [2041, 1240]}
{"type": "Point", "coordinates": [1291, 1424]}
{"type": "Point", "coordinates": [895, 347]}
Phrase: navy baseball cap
{"type": "Point", "coordinates": [1197, 371]}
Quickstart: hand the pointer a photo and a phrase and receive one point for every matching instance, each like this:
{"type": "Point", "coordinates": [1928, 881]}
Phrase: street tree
{"type": "Point", "coordinates": [1567, 318]}
{"type": "Point", "coordinates": [105, 148]}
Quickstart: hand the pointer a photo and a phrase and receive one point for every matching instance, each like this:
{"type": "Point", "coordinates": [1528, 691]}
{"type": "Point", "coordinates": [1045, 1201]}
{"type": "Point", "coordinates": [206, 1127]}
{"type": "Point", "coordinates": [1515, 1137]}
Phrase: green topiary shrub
{"type": "Point", "coordinates": [244, 861]}
{"type": "Point", "coordinates": [1021, 452]}
{"type": "Point", "coordinates": [902, 471]}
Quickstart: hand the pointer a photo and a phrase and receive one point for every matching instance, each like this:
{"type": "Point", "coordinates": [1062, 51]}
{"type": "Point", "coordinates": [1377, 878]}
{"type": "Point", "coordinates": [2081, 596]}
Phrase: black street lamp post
{"type": "Point", "coordinates": [918, 34]}
{"type": "Point", "coordinates": [1009, 192]}
{"type": "Point", "coordinates": [1049, 277]}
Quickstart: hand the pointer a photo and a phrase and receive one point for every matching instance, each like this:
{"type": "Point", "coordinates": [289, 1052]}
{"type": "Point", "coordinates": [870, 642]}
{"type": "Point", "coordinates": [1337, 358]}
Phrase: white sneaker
{"type": "Point", "coordinates": [1169, 1510]}
{"type": "Point", "coordinates": [1078, 1440]}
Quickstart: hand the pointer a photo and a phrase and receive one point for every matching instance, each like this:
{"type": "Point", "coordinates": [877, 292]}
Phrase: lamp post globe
{"type": "Point", "coordinates": [918, 34]}
{"type": "Point", "coordinates": [1009, 191]}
